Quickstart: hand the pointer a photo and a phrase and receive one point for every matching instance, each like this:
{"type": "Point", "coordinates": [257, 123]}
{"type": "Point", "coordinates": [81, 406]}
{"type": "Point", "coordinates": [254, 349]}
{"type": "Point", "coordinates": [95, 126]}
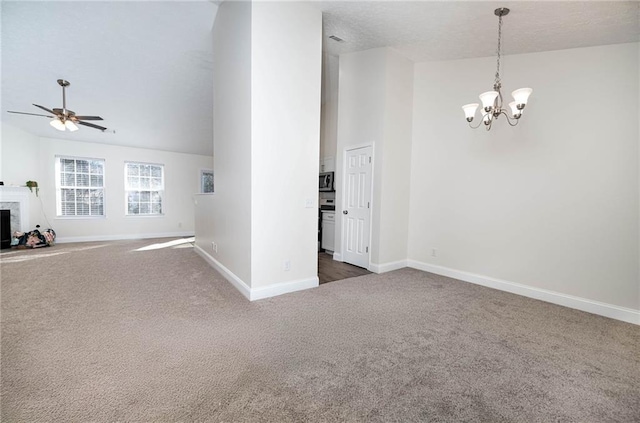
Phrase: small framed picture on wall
{"type": "Point", "coordinates": [206, 181]}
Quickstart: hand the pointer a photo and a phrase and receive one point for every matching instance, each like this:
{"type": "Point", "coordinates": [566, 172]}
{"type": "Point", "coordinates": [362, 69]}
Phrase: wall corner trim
{"type": "Point", "coordinates": [590, 306]}
{"type": "Point", "coordinates": [283, 288]}
{"type": "Point", "coordinates": [253, 294]}
{"type": "Point", "coordinates": [238, 283]}
{"type": "Point", "coordinates": [387, 267]}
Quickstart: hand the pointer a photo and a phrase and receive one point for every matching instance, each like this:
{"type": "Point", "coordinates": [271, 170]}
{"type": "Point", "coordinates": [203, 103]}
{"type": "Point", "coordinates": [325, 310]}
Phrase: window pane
{"type": "Point", "coordinates": [96, 167]}
{"type": "Point", "coordinates": [145, 196]}
{"type": "Point", "coordinates": [155, 197]}
{"type": "Point", "coordinates": [82, 180]}
{"type": "Point", "coordinates": [156, 208]}
{"type": "Point", "coordinates": [156, 171]}
{"type": "Point", "coordinates": [145, 170]}
{"type": "Point", "coordinates": [132, 169]}
{"type": "Point", "coordinates": [68, 195]}
{"type": "Point", "coordinates": [96, 196]}
{"type": "Point", "coordinates": [133, 208]}
{"type": "Point", "coordinates": [82, 209]}
{"type": "Point", "coordinates": [82, 166]}
{"type": "Point", "coordinates": [145, 208]}
{"type": "Point", "coordinates": [68, 209]}
{"type": "Point", "coordinates": [134, 197]}
{"type": "Point", "coordinates": [133, 182]}
{"type": "Point", "coordinates": [144, 183]}
{"type": "Point", "coordinates": [68, 179]}
{"type": "Point", "coordinates": [68, 165]}
{"type": "Point", "coordinates": [96, 180]}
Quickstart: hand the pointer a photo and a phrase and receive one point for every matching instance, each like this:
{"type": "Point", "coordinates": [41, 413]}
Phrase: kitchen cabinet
{"type": "Point", "coordinates": [328, 230]}
{"type": "Point", "coordinates": [327, 164]}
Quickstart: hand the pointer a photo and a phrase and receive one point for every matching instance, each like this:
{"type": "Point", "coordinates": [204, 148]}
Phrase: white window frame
{"type": "Point", "coordinates": [60, 187]}
{"type": "Point", "coordinates": [140, 190]}
{"type": "Point", "coordinates": [202, 173]}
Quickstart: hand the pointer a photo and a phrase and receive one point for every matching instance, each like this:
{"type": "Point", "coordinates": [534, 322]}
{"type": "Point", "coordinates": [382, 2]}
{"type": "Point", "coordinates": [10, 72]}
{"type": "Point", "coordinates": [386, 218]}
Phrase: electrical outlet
{"type": "Point", "coordinates": [286, 265]}
{"type": "Point", "coordinates": [434, 252]}
{"type": "Point", "coordinates": [214, 246]}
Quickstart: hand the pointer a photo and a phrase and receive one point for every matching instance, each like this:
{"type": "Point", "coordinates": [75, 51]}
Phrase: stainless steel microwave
{"type": "Point", "coordinates": [326, 181]}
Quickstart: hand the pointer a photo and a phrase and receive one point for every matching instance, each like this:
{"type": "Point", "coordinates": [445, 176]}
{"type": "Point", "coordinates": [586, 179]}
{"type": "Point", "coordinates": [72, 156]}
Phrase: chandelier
{"type": "Point", "coordinates": [492, 100]}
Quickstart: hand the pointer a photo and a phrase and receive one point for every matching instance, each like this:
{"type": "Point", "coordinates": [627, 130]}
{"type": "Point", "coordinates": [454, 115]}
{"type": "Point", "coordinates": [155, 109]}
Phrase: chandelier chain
{"type": "Point", "coordinates": [497, 82]}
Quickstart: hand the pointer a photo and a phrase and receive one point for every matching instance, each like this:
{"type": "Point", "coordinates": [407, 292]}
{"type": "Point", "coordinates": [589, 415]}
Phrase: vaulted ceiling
{"type": "Point", "coordinates": [146, 66]}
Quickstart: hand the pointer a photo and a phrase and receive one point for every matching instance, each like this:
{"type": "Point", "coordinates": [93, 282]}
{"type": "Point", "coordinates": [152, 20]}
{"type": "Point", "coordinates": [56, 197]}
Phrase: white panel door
{"type": "Point", "coordinates": [356, 209]}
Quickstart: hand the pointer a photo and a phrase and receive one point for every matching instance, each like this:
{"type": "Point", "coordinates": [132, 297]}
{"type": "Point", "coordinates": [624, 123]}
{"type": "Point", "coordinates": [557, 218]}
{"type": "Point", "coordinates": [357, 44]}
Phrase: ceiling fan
{"type": "Point", "coordinates": [64, 118]}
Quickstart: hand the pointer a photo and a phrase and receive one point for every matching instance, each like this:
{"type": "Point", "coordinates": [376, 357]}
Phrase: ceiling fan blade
{"type": "Point", "coordinates": [88, 117]}
{"type": "Point", "coordinates": [91, 125]}
{"type": "Point", "coordinates": [46, 110]}
{"type": "Point", "coordinates": [32, 114]}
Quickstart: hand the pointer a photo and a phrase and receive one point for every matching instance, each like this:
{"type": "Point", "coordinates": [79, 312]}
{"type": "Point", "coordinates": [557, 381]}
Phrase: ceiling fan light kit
{"type": "Point", "coordinates": [65, 119]}
{"type": "Point", "coordinates": [57, 123]}
{"type": "Point", "coordinates": [492, 100]}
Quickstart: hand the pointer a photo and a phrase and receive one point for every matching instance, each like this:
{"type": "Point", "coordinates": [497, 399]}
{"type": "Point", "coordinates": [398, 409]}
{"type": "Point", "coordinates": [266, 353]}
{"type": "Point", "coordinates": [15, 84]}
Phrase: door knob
{"type": "Point", "coordinates": [345, 211]}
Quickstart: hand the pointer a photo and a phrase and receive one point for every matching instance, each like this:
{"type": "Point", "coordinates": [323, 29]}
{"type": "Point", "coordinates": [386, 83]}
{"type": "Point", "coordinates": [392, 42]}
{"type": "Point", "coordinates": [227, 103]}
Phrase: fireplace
{"type": "Point", "coordinates": [5, 229]}
{"type": "Point", "coordinates": [16, 200]}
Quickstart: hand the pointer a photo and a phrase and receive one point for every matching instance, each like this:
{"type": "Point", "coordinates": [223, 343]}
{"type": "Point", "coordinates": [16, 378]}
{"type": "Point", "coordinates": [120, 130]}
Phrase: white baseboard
{"type": "Point", "coordinates": [253, 294]}
{"type": "Point", "coordinates": [337, 256]}
{"type": "Point", "coordinates": [283, 288]}
{"type": "Point", "coordinates": [228, 274]}
{"type": "Point", "coordinates": [603, 309]}
{"type": "Point", "coordinates": [387, 267]}
{"type": "Point", "coordinates": [121, 237]}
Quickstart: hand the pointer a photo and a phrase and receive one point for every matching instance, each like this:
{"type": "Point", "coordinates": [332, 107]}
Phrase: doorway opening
{"type": "Point", "coordinates": [330, 270]}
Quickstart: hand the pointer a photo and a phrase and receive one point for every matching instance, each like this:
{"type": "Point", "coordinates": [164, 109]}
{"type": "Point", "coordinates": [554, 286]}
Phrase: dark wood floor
{"type": "Point", "coordinates": [330, 270]}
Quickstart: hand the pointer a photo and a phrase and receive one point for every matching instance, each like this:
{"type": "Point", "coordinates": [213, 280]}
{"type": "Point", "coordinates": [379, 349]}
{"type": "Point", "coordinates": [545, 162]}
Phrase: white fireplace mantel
{"type": "Point", "coordinates": [19, 195]}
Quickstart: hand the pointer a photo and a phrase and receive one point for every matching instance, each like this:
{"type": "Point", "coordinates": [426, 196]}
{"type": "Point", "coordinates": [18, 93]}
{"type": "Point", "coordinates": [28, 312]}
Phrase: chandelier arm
{"type": "Point", "coordinates": [509, 119]}
{"type": "Point", "coordinates": [477, 126]}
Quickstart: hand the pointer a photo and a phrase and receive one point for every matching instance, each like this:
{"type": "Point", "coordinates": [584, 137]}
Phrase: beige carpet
{"type": "Point", "coordinates": [102, 332]}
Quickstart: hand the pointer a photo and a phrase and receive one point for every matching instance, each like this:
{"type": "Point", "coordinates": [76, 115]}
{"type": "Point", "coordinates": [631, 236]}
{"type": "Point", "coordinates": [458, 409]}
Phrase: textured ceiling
{"type": "Point", "coordinates": [444, 30]}
{"type": "Point", "coordinates": [146, 66]}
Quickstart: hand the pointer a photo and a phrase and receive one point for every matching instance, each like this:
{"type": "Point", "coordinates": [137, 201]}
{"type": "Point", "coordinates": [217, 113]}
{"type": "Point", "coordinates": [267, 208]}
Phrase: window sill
{"type": "Point", "coordinates": [129, 216]}
{"type": "Point", "coordinates": [80, 217]}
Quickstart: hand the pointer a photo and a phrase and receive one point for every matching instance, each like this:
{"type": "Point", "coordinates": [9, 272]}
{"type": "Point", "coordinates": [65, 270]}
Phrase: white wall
{"type": "Point", "coordinates": [375, 107]}
{"type": "Point", "coordinates": [25, 156]}
{"type": "Point", "coordinates": [19, 164]}
{"type": "Point", "coordinates": [360, 122]}
{"type": "Point", "coordinates": [286, 78]}
{"type": "Point", "coordinates": [267, 81]}
{"type": "Point", "coordinates": [396, 156]}
{"type": "Point", "coordinates": [329, 108]}
{"type": "Point", "coordinates": [551, 204]}
{"type": "Point", "coordinates": [230, 206]}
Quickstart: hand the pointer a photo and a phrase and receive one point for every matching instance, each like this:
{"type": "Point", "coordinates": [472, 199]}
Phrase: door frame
{"type": "Point", "coordinates": [343, 197]}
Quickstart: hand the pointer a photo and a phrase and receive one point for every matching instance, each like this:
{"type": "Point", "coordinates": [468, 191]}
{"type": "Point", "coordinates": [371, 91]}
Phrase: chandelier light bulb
{"type": "Point", "coordinates": [521, 96]}
{"type": "Point", "coordinates": [488, 99]}
{"type": "Point", "coordinates": [515, 112]}
{"type": "Point", "coordinates": [57, 123]}
{"type": "Point", "coordinates": [486, 117]}
{"type": "Point", "coordinates": [71, 126]}
{"type": "Point", "coordinates": [470, 110]}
